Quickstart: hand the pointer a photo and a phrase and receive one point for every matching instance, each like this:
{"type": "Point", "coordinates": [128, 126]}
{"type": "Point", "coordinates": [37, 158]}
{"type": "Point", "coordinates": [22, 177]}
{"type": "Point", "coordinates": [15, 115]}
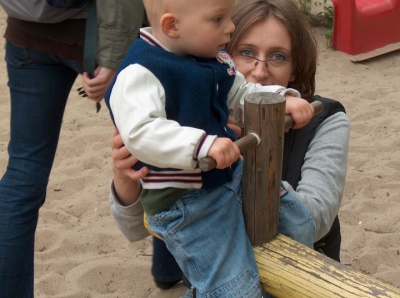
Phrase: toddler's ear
{"type": "Point", "coordinates": [168, 25]}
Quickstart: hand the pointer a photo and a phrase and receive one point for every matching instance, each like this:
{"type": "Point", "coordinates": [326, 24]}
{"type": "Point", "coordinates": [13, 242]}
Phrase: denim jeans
{"type": "Point", "coordinates": [205, 232]}
{"type": "Point", "coordinates": [164, 268]}
{"type": "Point", "coordinates": [295, 221]}
{"type": "Point", "coordinates": [39, 87]}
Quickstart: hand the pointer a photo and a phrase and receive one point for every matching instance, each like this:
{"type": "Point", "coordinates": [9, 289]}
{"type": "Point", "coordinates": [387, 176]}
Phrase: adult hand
{"type": "Point", "coordinates": [126, 185]}
{"type": "Point", "coordinates": [236, 129]}
{"type": "Point", "coordinates": [96, 87]}
{"type": "Point", "coordinates": [123, 160]}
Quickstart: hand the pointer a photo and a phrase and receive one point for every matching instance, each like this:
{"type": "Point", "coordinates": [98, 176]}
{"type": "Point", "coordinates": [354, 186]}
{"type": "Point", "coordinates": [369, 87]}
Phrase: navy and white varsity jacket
{"type": "Point", "coordinates": [169, 109]}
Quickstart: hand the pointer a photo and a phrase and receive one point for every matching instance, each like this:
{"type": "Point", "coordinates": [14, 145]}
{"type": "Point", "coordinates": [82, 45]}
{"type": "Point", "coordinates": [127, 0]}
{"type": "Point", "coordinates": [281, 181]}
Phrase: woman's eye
{"type": "Point", "coordinates": [278, 57]}
{"type": "Point", "coordinates": [217, 20]}
{"type": "Point", "coordinates": [246, 53]}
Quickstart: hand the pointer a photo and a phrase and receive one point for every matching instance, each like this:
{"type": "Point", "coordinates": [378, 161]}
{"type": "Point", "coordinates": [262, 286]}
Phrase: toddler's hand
{"type": "Point", "coordinates": [224, 151]}
{"type": "Point", "coordinates": [300, 109]}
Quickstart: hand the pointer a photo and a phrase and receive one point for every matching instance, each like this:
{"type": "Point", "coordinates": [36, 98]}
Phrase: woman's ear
{"type": "Point", "coordinates": [168, 25]}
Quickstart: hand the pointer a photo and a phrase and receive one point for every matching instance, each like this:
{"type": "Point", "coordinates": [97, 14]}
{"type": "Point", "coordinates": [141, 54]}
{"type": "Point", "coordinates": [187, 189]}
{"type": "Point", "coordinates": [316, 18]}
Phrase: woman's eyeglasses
{"type": "Point", "coordinates": [273, 62]}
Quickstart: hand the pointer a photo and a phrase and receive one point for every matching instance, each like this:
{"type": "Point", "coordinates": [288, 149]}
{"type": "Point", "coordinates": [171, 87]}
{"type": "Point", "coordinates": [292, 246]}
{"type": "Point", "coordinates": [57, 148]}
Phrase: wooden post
{"type": "Point", "coordinates": [265, 116]}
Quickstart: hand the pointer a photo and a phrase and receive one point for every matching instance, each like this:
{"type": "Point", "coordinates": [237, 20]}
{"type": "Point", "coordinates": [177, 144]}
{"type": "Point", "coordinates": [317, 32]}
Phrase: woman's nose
{"type": "Point", "coordinates": [260, 71]}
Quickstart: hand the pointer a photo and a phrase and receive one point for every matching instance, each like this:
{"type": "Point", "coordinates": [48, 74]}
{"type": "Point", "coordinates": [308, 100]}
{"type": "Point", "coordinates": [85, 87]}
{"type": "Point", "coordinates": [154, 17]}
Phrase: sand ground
{"type": "Point", "coordinates": [80, 252]}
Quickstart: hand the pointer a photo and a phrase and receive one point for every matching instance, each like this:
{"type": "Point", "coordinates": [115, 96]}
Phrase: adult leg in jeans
{"type": "Point", "coordinates": [165, 270]}
{"type": "Point", "coordinates": [39, 87]}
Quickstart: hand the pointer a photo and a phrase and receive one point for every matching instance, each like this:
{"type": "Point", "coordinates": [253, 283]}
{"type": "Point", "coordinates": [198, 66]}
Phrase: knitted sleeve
{"type": "Point", "coordinates": [129, 219]}
{"type": "Point", "coordinates": [323, 173]}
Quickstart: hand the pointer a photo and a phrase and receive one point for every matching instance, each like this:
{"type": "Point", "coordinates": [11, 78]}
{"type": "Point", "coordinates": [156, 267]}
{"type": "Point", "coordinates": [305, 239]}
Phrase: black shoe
{"type": "Point", "coordinates": [166, 285]}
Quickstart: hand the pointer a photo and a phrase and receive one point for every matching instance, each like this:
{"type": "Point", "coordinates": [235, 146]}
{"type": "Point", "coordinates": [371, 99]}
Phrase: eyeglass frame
{"type": "Point", "coordinates": [265, 61]}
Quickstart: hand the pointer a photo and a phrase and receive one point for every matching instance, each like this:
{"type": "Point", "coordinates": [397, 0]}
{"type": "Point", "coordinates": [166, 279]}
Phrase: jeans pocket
{"type": "Point", "coordinates": [293, 210]}
{"type": "Point", "coordinates": [17, 56]}
{"type": "Point", "coordinates": [295, 220]}
{"type": "Point", "coordinates": [166, 222]}
{"type": "Point", "coordinates": [235, 185]}
{"type": "Point", "coordinates": [246, 285]}
{"type": "Point", "coordinates": [236, 190]}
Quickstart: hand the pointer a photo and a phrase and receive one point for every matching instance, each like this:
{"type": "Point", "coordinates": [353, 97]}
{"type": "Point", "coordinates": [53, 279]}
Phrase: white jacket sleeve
{"type": "Point", "coordinates": [137, 102]}
{"type": "Point", "coordinates": [129, 219]}
{"type": "Point", "coordinates": [241, 88]}
{"type": "Point", "coordinates": [323, 173]}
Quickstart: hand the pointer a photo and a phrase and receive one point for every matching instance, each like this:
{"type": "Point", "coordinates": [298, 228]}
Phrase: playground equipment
{"type": "Point", "coordinates": [366, 28]}
{"type": "Point", "coordinates": [287, 268]}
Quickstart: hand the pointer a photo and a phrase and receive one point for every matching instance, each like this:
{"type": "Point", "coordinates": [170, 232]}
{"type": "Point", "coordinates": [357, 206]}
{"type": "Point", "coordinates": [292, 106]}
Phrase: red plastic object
{"type": "Point", "coordinates": [362, 26]}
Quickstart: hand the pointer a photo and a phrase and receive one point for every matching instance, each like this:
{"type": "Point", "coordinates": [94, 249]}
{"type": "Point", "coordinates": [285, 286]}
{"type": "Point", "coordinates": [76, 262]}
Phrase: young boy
{"type": "Point", "coordinates": [170, 102]}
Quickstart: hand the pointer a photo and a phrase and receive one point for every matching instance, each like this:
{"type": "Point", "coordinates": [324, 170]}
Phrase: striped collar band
{"type": "Point", "coordinates": [146, 35]}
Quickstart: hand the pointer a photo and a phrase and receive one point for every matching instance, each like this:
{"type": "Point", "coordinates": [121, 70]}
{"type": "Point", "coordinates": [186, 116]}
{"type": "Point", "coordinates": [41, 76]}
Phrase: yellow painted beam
{"type": "Point", "coordinates": [291, 270]}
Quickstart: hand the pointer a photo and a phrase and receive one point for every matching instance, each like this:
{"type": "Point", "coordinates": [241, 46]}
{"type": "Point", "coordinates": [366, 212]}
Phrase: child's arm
{"type": "Point", "coordinates": [298, 107]}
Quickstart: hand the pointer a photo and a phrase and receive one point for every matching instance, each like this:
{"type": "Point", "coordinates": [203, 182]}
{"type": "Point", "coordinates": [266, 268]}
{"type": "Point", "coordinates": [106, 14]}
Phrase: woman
{"type": "Point", "coordinates": [272, 44]}
{"type": "Point", "coordinates": [43, 62]}
{"type": "Point", "coordinates": [318, 152]}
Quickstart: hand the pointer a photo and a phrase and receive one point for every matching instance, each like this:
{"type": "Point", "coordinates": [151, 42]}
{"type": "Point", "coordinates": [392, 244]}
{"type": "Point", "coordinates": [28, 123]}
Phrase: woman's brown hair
{"type": "Point", "coordinates": [304, 46]}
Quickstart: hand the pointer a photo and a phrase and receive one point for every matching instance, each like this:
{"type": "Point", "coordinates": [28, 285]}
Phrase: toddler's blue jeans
{"type": "Point", "coordinates": [205, 232]}
{"type": "Point", "coordinates": [218, 252]}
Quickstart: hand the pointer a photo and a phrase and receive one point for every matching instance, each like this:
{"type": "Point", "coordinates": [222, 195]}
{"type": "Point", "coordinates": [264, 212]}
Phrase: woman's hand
{"type": "Point", "coordinates": [236, 129]}
{"type": "Point", "coordinates": [126, 184]}
{"type": "Point", "coordinates": [96, 87]}
{"type": "Point", "coordinates": [123, 160]}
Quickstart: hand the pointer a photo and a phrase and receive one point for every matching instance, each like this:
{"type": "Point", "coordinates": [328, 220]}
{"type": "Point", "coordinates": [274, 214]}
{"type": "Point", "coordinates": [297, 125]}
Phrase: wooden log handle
{"type": "Point", "coordinates": [252, 140]}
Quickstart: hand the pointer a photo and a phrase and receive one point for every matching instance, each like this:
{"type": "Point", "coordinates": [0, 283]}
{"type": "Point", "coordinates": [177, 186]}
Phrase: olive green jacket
{"type": "Point", "coordinates": [119, 22]}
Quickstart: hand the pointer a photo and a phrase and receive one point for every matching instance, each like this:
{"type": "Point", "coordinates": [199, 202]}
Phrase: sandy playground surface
{"type": "Point", "coordinates": [81, 253]}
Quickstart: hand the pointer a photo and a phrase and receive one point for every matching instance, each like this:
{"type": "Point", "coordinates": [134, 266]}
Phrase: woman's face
{"type": "Point", "coordinates": [265, 40]}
